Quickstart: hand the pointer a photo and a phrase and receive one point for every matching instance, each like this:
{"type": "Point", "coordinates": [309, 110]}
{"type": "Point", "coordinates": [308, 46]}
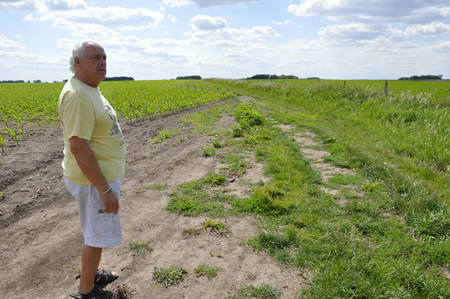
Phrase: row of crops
{"type": "Point", "coordinates": [24, 106]}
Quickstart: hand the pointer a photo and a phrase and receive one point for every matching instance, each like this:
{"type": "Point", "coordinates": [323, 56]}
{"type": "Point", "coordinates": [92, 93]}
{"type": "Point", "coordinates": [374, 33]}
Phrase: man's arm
{"type": "Point", "coordinates": [88, 164]}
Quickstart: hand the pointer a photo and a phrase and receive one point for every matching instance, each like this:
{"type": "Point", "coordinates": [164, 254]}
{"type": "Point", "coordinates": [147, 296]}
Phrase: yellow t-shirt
{"type": "Point", "coordinates": [84, 112]}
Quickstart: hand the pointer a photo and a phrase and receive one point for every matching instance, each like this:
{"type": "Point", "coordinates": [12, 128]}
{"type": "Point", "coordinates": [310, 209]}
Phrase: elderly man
{"type": "Point", "coordinates": [94, 163]}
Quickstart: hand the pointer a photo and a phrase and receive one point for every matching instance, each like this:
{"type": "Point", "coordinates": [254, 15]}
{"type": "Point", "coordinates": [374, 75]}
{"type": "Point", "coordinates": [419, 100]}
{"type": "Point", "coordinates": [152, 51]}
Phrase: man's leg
{"type": "Point", "coordinates": [90, 259]}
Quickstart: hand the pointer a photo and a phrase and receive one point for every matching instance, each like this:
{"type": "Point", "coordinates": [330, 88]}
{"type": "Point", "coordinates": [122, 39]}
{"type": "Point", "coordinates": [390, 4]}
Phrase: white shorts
{"type": "Point", "coordinates": [100, 229]}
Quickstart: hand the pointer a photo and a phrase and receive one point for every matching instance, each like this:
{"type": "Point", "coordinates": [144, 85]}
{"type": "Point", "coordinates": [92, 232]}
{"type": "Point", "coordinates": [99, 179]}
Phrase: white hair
{"type": "Point", "coordinates": [78, 51]}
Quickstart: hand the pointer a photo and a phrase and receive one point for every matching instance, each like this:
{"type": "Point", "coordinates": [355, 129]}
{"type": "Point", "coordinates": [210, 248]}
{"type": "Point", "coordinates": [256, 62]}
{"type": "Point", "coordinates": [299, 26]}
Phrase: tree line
{"type": "Point", "coordinates": [423, 77]}
{"type": "Point", "coordinates": [267, 76]}
{"type": "Point", "coordinates": [193, 77]}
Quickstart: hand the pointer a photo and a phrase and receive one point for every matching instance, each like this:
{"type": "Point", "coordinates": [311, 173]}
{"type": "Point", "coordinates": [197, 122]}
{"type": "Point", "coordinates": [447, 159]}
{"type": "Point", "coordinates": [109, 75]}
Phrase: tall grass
{"type": "Point", "coordinates": [391, 239]}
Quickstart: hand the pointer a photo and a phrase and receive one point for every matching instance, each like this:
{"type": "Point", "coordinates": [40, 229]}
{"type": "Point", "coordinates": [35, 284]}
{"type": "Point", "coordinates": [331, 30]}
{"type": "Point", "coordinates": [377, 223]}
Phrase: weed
{"type": "Point", "coordinates": [192, 231]}
{"type": "Point", "coordinates": [248, 291]}
{"type": "Point", "coordinates": [251, 276]}
{"type": "Point", "coordinates": [76, 269]}
{"type": "Point", "coordinates": [214, 179]}
{"type": "Point", "coordinates": [138, 249]}
{"type": "Point", "coordinates": [169, 276]}
{"type": "Point", "coordinates": [205, 269]}
{"type": "Point", "coordinates": [156, 186]}
{"type": "Point", "coordinates": [138, 228]}
{"type": "Point", "coordinates": [164, 135]}
{"type": "Point", "coordinates": [216, 143]}
{"type": "Point", "coordinates": [125, 291]}
{"type": "Point", "coordinates": [215, 226]}
{"type": "Point", "coordinates": [208, 151]}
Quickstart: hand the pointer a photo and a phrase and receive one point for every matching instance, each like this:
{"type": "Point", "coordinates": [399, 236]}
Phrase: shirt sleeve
{"type": "Point", "coordinates": [78, 116]}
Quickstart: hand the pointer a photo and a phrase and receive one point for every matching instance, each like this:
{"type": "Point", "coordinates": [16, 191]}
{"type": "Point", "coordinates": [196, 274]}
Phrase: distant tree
{"type": "Point", "coordinates": [423, 77]}
{"type": "Point", "coordinates": [193, 77]}
{"type": "Point", "coordinates": [37, 81]}
{"type": "Point", "coordinates": [122, 78]}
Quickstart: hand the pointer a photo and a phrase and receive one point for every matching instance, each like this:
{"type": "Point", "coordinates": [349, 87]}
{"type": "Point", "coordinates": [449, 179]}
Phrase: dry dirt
{"type": "Point", "coordinates": [40, 235]}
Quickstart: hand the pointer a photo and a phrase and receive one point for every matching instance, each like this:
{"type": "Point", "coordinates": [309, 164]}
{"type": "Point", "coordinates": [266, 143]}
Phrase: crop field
{"type": "Point", "coordinates": [343, 187]}
{"type": "Point", "coordinates": [25, 105]}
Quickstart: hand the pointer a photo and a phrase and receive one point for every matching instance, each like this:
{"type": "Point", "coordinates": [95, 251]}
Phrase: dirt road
{"type": "Point", "coordinates": [40, 235]}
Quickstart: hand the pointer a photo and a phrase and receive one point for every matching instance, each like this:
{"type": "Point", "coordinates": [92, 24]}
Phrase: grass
{"type": "Point", "coordinates": [207, 270]}
{"type": "Point", "coordinates": [250, 291]}
{"type": "Point", "coordinates": [390, 239]}
{"type": "Point", "coordinates": [169, 276]}
{"type": "Point", "coordinates": [138, 249]}
{"type": "Point", "coordinates": [192, 231]}
{"type": "Point", "coordinates": [215, 226]}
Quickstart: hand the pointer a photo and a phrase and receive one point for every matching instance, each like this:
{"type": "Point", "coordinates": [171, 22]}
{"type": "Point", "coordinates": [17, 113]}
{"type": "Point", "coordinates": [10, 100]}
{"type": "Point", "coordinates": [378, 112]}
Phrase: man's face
{"type": "Point", "coordinates": [92, 67]}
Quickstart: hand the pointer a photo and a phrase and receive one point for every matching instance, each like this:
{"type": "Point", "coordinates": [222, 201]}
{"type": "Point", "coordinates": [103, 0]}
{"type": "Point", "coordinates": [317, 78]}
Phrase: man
{"type": "Point", "coordinates": [94, 163]}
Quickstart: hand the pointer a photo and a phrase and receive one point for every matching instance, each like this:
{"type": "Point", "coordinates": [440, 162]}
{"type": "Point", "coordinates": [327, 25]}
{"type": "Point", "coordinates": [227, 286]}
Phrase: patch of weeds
{"type": "Point", "coordinates": [75, 269]}
{"type": "Point", "coordinates": [208, 151]}
{"type": "Point", "coordinates": [248, 291]}
{"type": "Point", "coordinates": [138, 249]}
{"type": "Point", "coordinates": [237, 163]}
{"type": "Point", "coordinates": [368, 186]}
{"type": "Point", "coordinates": [169, 276]}
{"type": "Point", "coordinates": [251, 276]}
{"type": "Point", "coordinates": [248, 117]}
{"type": "Point", "coordinates": [216, 143]}
{"type": "Point", "coordinates": [138, 228]}
{"type": "Point", "coordinates": [166, 134]}
{"type": "Point", "coordinates": [237, 131]}
{"type": "Point", "coordinates": [215, 226]}
{"type": "Point", "coordinates": [205, 269]}
{"type": "Point", "coordinates": [192, 231]}
{"type": "Point", "coordinates": [214, 179]}
{"type": "Point", "coordinates": [156, 186]}
{"type": "Point", "coordinates": [124, 290]}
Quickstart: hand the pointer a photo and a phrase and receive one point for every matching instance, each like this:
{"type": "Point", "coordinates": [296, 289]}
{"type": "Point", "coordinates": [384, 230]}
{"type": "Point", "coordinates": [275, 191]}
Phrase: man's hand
{"type": "Point", "coordinates": [110, 202]}
{"type": "Point", "coordinates": [89, 166]}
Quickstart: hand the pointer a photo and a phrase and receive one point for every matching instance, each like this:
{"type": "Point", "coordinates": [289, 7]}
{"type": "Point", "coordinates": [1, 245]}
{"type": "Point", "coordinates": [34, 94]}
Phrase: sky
{"type": "Point", "coordinates": [164, 39]}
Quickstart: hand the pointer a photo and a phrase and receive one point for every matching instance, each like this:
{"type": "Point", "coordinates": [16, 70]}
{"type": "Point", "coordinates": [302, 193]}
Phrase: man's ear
{"type": "Point", "coordinates": [77, 61]}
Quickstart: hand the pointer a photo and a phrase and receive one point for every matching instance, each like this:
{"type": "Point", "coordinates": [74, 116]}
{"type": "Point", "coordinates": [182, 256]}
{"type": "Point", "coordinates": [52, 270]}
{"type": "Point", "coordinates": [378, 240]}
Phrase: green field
{"type": "Point", "coordinates": [25, 105]}
{"type": "Point", "coordinates": [392, 237]}
{"type": "Point", "coordinates": [391, 240]}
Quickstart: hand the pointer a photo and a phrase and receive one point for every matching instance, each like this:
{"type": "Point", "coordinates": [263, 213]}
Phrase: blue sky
{"type": "Point", "coordinates": [333, 39]}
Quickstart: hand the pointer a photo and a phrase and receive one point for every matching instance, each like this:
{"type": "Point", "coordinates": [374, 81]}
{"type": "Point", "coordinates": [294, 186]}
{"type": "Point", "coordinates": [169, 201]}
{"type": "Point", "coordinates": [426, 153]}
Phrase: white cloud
{"type": "Point", "coordinates": [53, 5]}
{"type": "Point", "coordinates": [22, 5]}
{"type": "Point", "coordinates": [206, 27]}
{"type": "Point", "coordinates": [381, 11]}
{"type": "Point", "coordinates": [7, 44]}
{"type": "Point", "coordinates": [441, 46]}
{"type": "Point", "coordinates": [66, 43]}
{"type": "Point", "coordinates": [173, 19]}
{"type": "Point", "coordinates": [207, 23]}
{"type": "Point", "coordinates": [18, 36]}
{"type": "Point", "coordinates": [100, 21]}
{"type": "Point", "coordinates": [428, 30]}
{"type": "Point", "coordinates": [204, 3]}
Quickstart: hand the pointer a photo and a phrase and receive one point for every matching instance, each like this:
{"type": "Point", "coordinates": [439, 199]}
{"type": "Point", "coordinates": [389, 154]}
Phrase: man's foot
{"type": "Point", "coordinates": [103, 276]}
{"type": "Point", "coordinates": [97, 293]}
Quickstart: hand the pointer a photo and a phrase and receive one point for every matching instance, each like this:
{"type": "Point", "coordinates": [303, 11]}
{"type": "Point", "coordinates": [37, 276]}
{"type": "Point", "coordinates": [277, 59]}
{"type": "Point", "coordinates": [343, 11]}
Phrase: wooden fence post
{"type": "Point", "coordinates": [386, 88]}
{"type": "Point", "coordinates": [344, 84]}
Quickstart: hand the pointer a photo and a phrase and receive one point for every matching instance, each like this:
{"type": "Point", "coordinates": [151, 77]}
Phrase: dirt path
{"type": "Point", "coordinates": [40, 237]}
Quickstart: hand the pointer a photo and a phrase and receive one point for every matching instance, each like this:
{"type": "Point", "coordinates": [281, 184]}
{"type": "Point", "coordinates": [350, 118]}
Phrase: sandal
{"type": "Point", "coordinates": [97, 294]}
{"type": "Point", "coordinates": [102, 276]}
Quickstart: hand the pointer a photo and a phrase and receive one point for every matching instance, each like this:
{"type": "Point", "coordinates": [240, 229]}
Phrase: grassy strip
{"type": "Point", "coordinates": [390, 241]}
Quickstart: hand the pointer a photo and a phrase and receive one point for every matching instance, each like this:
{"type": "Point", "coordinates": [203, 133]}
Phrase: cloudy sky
{"type": "Point", "coordinates": [334, 39]}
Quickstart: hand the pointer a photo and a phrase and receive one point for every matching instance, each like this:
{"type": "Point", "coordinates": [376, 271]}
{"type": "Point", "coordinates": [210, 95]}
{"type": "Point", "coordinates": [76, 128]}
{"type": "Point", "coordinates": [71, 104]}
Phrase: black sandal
{"type": "Point", "coordinates": [102, 276]}
{"type": "Point", "coordinates": [96, 293]}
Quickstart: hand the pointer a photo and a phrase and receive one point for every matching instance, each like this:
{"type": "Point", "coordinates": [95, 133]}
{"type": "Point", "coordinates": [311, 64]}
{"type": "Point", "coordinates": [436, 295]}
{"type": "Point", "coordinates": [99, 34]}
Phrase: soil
{"type": "Point", "coordinates": [41, 240]}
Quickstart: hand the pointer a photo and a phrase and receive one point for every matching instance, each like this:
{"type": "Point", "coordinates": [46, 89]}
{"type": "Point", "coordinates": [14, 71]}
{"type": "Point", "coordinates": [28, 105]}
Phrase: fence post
{"type": "Point", "coordinates": [386, 88]}
{"type": "Point", "coordinates": [344, 83]}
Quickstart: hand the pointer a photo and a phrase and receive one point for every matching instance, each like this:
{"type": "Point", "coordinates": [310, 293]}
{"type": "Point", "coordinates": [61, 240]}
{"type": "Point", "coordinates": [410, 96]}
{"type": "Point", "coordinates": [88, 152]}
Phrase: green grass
{"type": "Point", "coordinates": [250, 291]}
{"type": "Point", "coordinates": [138, 249]}
{"type": "Point", "coordinates": [207, 270]}
{"type": "Point", "coordinates": [169, 276]}
{"type": "Point", "coordinates": [390, 239]}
